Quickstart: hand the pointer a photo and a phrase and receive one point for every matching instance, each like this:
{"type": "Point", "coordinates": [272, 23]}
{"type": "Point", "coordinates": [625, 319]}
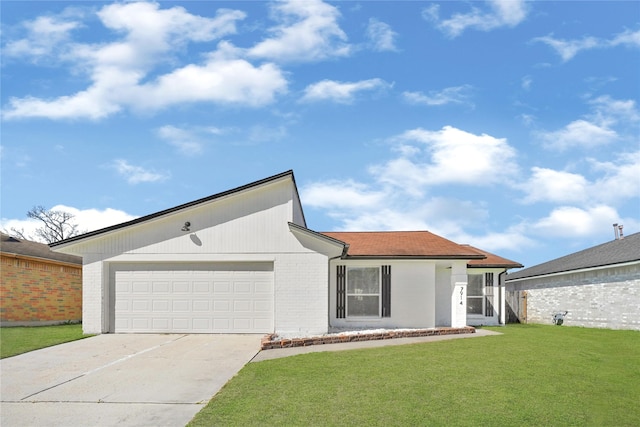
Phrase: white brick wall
{"type": "Point", "coordinates": [92, 297]}
{"type": "Point", "coordinates": [605, 298]}
{"type": "Point", "coordinates": [301, 283]}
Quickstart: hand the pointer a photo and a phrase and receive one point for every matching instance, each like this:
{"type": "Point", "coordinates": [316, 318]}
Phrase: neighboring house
{"type": "Point", "coordinates": [599, 286]}
{"type": "Point", "coordinates": [244, 261]}
{"type": "Point", "coordinates": [37, 285]}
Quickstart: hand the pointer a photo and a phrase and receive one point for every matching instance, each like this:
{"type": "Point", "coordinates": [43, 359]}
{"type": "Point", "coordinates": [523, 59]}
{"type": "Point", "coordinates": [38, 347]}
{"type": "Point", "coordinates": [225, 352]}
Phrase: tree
{"type": "Point", "coordinates": [58, 225]}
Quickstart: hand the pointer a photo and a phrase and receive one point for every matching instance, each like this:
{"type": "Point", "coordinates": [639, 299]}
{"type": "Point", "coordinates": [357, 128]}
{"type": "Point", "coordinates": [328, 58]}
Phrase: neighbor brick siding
{"type": "Point", "coordinates": [602, 298]}
{"type": "Point", "coordinates": [34, 290]}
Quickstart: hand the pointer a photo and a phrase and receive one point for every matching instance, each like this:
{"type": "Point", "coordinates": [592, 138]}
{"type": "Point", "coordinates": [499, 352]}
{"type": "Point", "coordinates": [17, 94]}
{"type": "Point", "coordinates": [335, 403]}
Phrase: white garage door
{"type": "Point", "coordinates": [193, 298]}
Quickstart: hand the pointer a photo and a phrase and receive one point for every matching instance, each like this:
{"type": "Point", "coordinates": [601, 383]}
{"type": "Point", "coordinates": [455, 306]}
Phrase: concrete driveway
{"type": "Point", "coordinates": [120, 379]}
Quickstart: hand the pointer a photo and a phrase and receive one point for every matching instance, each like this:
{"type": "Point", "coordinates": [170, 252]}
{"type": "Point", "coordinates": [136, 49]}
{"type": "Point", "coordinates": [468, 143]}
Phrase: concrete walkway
{"type": "Point", "coordinates": [120, 379]}
{"type": "Point", "coordinates": [286, 352]}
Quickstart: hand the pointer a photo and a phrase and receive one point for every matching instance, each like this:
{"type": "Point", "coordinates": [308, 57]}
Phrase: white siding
{"type": "Point", "coordinates": [248, 226]}
{"type": "Point", "coordinates": [413, 295]}
{"type": "Point", "coordinates": [302, 294]}
{"type": "Point", "coordinates": [444, 290]}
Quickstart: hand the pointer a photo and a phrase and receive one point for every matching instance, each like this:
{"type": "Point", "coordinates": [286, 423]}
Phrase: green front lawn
{"type": "Point", "coordinates": [532, 375]}
{"type": "Point", "coordinates": [14, 341]}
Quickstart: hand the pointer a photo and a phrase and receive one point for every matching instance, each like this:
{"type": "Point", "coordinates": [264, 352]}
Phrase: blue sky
{"type": "Point", "coordinates": [512, 126]}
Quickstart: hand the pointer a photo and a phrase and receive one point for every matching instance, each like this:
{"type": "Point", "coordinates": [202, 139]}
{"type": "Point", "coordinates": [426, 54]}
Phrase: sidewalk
{"type": "Point", "coordinates": [286, 352]}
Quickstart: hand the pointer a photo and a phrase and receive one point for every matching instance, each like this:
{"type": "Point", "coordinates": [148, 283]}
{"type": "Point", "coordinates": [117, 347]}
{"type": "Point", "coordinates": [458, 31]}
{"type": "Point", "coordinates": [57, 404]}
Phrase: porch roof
{"type": "Point", "coordinates": [491, 260]}
{"type": "Point", "coordinates": [403, 244]}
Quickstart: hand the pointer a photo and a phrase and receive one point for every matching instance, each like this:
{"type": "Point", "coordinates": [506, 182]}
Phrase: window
{"type": "Point", "coordinates": [480, 294]}
{"type": "Point", "coordinates": [488, 293]}
{"type": "Point", "coordinates": [363, 291]}
{"type": "Point", "coordinates": [474, 294]}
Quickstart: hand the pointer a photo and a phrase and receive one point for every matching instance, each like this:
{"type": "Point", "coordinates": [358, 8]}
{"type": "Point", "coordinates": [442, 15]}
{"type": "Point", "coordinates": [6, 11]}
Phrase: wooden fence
{"type": "Point", "coordinates": [516, 302]}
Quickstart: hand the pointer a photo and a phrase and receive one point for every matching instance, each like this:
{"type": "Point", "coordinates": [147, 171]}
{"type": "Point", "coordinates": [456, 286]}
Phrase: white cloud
{"type": "Point", "coordinates": [608, 111]}
{"type": "Point", "coordinates": [619, 181]}
{"type": "Point", "coordinates": [596, 128]}
{"type": "Point", "coordinates": [604, 183]}
{"type": "Point", "coordinates": [222, 80]}
{"type": "Point", "coordinates": [449, 95]}
{"type": "Point", "coordinates": [381, 36]}
{"type": "Point", "coordinates": [137, 174]}
{"type": "Point", "coordinates": [450, 155]}
{"type": "Point", "coordinates": [342, 92]}
{"type": "Point", "coordinates": [263, 133]}
{"type": "Point", "coordinates": [309, 31]}
{"type": "Point", "coordinates": [579, 133]}
{"type": "Point", "coordinates": [569, 221]}
{"type": "Point", "coordinates": [184, 140]}
{"type": "Point", "coordinates": [150, 37]}
{"type": "Point", "coordinates": [500, 13]}
{"type": "Point", "coordinates": [45, 35]}
{"type": "Point", "coordinates": [87, 220]}
{"type": "Point", "coordinates": [567, 49]}
{"type": "Point", "coordinates": [626, 38]}
{"type": "Point", "coordinates": [512, 238]}
{"type": "Point", "coordinates": [548, 185]}
{"type": "Point", "coordinates": [342, 195]}
{"type": "Point", "coordinates": [396, 196]}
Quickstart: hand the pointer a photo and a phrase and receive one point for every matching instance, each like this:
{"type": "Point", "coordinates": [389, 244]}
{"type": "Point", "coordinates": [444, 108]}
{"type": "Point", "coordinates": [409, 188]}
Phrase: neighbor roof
{"type": "Point", "coordinates": [615, 252]}
{"type": "Point", "coordinates": [178, 208]}
{"type": "Point", "coordinates": [19, 247]}
{"type": "Point", "coordinates": [491, 260]}
{"type": "Point", "coordinates": [402, 244]}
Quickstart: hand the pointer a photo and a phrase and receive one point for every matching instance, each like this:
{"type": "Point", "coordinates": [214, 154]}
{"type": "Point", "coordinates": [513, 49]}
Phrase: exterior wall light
{"type": "Point", "coordinates": [186, 226]}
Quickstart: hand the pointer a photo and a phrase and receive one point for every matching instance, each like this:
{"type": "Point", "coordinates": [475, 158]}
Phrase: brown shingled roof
{"type": "Point", "coordinates": [417, 244]}
{"type": "Point", "coordinates": [12, 246]}
{"type": "Point", "coordinates": [491, 260]}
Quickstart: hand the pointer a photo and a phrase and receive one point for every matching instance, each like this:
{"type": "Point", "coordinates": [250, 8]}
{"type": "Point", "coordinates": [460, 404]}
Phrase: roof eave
{"type": "Point", "coordinates": [425, 257]}
{"type": "Point", "coordinates": [176, 209]}
{"type": "Point", "coordinates": [322, 237]}
{"type": "Point", "coordinates": [507, 266]}
{"type": "Point", "coordinates": [575, 270]}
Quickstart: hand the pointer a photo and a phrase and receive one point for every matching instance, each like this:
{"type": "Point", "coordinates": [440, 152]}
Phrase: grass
{"type": "Point", "coordinates": [532, 375]}
{"type": "Point", "coordinates": [18, 340]}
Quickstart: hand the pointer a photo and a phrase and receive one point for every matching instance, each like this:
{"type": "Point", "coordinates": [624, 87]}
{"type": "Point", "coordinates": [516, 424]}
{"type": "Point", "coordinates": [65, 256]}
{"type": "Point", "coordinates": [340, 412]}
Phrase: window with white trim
{"type": "Point", "coordinates": [480, 294]}
{"type": "Point", "coordinates": [363, 292]}
{"type": "Point", "coordinates": [475, 295]}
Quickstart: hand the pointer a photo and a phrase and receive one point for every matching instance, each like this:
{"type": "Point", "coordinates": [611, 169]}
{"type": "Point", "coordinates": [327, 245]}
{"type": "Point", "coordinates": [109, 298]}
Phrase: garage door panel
{"type": "Point", "coordinates": [221, 287]}
{"type": "Point", "coordinates": [140, 306]}
{"type": "Point", "coordinates": [141, 323]}
{"type": "Point", "coordinates": [180, 323]}
{"type": "Point", "coordinates": [194, 298]}
{"type": "Point", "coordinates": [221, 306]}
{"type": "Point", "coordinates": [161, 305]}
{"type": "Point", "coordinates": [140, 287]}
{"type": "Point", "coordinates": [242, 306]}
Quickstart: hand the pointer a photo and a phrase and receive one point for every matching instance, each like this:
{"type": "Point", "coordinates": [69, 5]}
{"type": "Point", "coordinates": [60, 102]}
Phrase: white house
{"type": "Point", "coordinates": [244, 261]}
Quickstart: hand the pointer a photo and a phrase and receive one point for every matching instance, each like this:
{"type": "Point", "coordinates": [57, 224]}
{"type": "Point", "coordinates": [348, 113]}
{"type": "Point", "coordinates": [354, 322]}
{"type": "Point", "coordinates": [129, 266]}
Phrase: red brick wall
{"type": "Point", "coordinates": [39, 291]}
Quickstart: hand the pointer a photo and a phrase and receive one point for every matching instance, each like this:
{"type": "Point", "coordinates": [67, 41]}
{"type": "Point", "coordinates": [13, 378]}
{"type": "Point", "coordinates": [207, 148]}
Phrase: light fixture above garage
{"type": "Point", "coordinates": [186, 226]}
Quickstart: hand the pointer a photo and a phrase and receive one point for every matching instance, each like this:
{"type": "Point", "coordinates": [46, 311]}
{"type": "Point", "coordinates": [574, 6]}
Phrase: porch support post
{"type": "Point", "coordinates": [459, 294]}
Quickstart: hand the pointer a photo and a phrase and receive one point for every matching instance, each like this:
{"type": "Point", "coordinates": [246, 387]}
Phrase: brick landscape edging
{"type": "Point", "coordinates": [271, 341]}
